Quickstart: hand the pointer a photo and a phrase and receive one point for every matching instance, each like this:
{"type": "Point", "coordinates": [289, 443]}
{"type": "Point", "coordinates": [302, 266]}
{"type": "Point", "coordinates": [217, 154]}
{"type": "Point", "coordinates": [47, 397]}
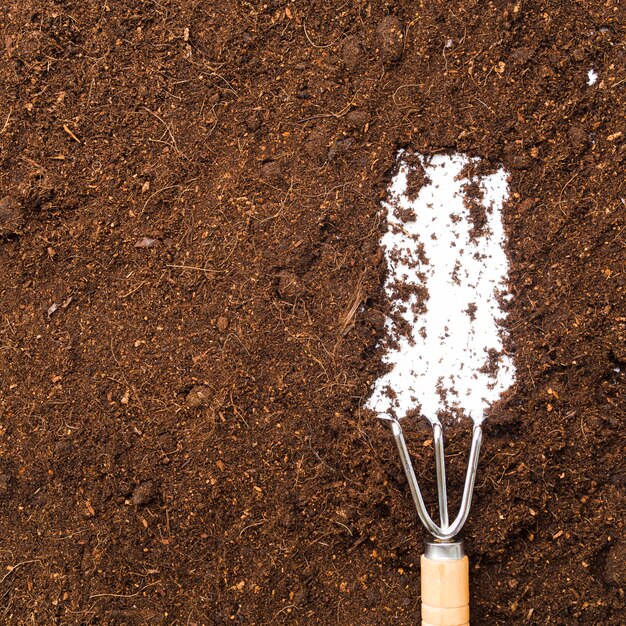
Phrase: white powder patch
{"type": "Point", "coordinates": [448, 357]}
{"type": "Point", "coordinates": [592, 77]}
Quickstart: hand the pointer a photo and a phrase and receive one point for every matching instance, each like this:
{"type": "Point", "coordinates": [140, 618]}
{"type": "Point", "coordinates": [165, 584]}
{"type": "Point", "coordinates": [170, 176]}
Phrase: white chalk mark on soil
{"type": "Point", "coordinates": [447, 280]}
{"type": "Point", "coordinates": [592, 77]}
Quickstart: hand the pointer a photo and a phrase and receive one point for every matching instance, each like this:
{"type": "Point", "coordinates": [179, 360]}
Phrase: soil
{"type": "Point", "coordinates": [191, 300]}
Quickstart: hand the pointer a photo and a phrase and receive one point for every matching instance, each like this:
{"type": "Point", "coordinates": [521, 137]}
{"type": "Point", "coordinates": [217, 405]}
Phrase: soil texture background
{"type": "Point", "coordinates": [191, 299]}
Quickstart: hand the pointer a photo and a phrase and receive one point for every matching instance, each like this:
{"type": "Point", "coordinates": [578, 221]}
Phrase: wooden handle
{"type": "Point", "coordinates": [445, 592]}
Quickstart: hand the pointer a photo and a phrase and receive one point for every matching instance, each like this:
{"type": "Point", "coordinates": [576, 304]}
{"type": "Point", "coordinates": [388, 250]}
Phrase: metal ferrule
{"type": "Point", "coordinates": [445, 551]}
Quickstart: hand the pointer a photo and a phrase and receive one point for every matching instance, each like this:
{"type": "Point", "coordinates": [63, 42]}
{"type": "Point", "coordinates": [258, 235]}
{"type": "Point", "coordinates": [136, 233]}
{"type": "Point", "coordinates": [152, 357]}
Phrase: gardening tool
{"type": "Point", "coordinates": [447, 279]}
{"type": "Point", "coordinates": [444, 565]}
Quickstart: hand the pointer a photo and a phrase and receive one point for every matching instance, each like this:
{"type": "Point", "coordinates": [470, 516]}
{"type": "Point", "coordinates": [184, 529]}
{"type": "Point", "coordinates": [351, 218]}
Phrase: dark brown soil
{"type": "Point", "coordinates": [190, 303]}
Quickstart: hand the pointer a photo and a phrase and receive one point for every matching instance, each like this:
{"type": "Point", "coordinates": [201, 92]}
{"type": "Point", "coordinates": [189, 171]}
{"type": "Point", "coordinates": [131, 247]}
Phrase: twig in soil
{"type": "Point", "coordinates": [133, 290]}
{"type": "Point", "coordinates": [342, 525]}
{"type": "Point", "coordinates": [562, 190]}
{"type": "Point", "coordinates": [316, 540]}
{"type": "Point", "coordinates": [128, 385]}
{"type": "Point", "coordinates": [172, 144]}
{"type": "Point", "coordinates": [341, 113]}
{"type": "Point", "coordinates": [199, 269]}
{"type": "Point", "coordinates": [14, 567]}
{"type": "Point", "coordinates": [7, 121]}
{"type": "Point", "coordinates": [214, 73]}
{"type": "Point", "coordinates": [33, 163]}
{"type": "Point", "coordinates": [120, 595]}
{"type": "Point", "coordinates": [617, 236]}
{"type": "Point", "coordinates": [285, 608]}
{"type": "Point", "coordinates": [238, 339]}
{"type": "Point", "coordinates": [393, 97]}
{"type": "Point", "coordinates": [327, 192]}
{"type": "Point", "coordinates": [328, 45]}
{"type": "Point", "coordinates": [252, 526]}
{"type": "Point", "coordinates": [167, 126]}
{"type": "Point", "coordinates": [70, 133]}
{"type": "Point", "coordinates": [281, 204]}
{"type": "Point", "coordinates": [145, 204]}
{"type": "Point", "coordinates": [486, 105]}
{"type": "Point", "coordinates": [617, 83]}
{"type": "Point", "coordinates": [158, 191]}
{"type": "Point", "coordinates": [346, 322]}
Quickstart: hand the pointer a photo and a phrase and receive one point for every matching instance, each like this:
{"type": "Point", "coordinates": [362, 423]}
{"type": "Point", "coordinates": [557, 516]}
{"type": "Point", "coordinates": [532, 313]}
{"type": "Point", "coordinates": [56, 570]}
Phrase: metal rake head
{"type": "Point", "coordinates": [444, 531]}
